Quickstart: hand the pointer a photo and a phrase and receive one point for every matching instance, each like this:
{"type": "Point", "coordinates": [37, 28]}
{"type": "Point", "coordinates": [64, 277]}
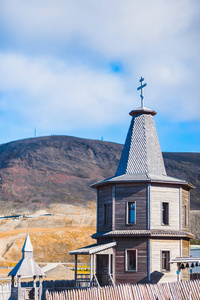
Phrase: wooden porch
{"type": "Point", "coordinates": [101, 266]}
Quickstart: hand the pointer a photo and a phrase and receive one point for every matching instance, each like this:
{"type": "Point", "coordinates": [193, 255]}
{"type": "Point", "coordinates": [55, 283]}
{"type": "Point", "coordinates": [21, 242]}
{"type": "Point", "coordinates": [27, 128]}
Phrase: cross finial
{"type": "Point", "coordinates": [140, 88]}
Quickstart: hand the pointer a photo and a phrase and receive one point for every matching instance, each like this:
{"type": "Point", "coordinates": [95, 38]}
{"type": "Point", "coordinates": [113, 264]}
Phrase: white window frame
{"type": "Point", "coordinates": [165, 270]}
{"type": "Point", "coordinates": [126, 260]}
{"type": "Point", "coordinates": [185, 216]}
{"type": "Point", "coordinates": [162, 213]}
{"type": "Point", "coordinates": [127, 212]}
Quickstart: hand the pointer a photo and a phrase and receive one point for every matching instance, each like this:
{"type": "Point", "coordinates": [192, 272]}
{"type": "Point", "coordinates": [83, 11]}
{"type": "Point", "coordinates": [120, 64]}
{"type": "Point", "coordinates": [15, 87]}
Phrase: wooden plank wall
{"type": "Point", "coordinates": [185, 252]}
{"type": "Point", "coordinates": [104, 197]}
{"type": "Point", "coordinates": [122, 276]}
{"type": "Point", "coordinates": [159, 194]}
{"type": "Point", "coordinates": [133, 193]}
{"type": "Point", "coordinates": [159, 245]}
{"type": "Point", "coordinates": [185, 201]}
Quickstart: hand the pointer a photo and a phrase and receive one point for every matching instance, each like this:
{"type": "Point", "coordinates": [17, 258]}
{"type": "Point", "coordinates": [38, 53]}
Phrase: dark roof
{"type": "Point", "coordinates": [143, 177]}
{"type": "Point", "coordinates": [151, 233]}
{"type": "Point", "coordinates": [141, 159]}
{"type": "Point", "coordinates": [141, 152]}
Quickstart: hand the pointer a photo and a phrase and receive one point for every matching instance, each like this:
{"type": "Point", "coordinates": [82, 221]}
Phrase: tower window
{"type": "Point", "coordinates": [165, 213]}
{"type": "Point", "coordinates": [185, 215]}
{"type": "Point", "coordinates": [165, 261]}
{"type": "Point", "coordinates": [105, 209]}
{"type": "Point", "coordinates": [131, 260]}
{"type": "Point", "coordinates": [130, 218]}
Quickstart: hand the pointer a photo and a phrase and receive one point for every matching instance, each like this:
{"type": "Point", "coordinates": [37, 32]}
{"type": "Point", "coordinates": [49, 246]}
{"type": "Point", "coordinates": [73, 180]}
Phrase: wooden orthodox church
{"type": "Point", "coordinates": [142, 214]}
{"type": "Point", "coordinates": [26, 268]}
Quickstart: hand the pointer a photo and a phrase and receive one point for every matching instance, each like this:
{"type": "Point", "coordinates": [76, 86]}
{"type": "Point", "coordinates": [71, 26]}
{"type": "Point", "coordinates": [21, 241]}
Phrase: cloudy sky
{"type": "Point", "coordinates": [72, 67]}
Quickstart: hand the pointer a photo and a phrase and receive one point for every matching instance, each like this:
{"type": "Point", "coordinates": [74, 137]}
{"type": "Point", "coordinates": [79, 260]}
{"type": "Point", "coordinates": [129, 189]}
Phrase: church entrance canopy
{"type": "Point", "coordinates": [97, 252]}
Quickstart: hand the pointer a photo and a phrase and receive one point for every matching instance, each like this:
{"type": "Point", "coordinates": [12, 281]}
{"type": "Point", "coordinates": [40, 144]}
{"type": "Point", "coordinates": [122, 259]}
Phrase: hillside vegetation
{"type": "Point", "coordinates": [52, 175]}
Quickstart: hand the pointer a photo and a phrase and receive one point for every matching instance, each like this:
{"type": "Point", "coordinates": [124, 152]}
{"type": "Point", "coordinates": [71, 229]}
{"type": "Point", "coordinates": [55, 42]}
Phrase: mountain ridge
{"type": "Point", "coordinates": [38, 172]}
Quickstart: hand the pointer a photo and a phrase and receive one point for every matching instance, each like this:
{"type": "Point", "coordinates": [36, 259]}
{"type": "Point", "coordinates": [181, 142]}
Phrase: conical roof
{"type": "Point", "coordinates": [27, 267]}
{"type": "Point", "coordinates": [141, 153]}
{"type": "Point", "coordinates": [27, 245]}
{"type": "Point", "coordinates": [141, 159]}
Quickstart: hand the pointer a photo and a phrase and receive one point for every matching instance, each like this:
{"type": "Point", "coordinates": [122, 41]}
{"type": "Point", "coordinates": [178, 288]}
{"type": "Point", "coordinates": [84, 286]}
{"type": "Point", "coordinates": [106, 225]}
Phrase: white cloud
{"type": "Point", "coordinates": [71, 96]}
{"type": "Point", "coordinates": [158, 39]}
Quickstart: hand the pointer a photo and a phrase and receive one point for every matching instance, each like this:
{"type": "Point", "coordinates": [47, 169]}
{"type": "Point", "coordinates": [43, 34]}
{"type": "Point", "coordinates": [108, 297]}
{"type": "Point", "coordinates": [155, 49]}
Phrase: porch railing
{"type": "Point", "coordinates": [83, 280]}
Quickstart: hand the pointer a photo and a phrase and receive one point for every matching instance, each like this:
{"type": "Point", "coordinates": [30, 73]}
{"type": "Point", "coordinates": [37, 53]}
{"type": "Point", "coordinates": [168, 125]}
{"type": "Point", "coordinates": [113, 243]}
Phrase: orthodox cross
{"type": "Point", "coordinates": [140, 88]}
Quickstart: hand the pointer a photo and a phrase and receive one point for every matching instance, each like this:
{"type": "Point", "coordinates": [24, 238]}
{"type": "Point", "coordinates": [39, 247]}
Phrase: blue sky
{"type": "Point", "coordinates": [72, 67]}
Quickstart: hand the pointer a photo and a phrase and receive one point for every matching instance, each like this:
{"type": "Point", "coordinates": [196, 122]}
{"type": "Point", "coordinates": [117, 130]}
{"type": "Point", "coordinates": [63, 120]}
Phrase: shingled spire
{"type": "Point", "coordinates": [141, 153]}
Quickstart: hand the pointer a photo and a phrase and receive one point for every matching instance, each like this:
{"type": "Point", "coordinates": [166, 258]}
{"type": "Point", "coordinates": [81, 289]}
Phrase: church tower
{"type": "Point", "coordinates": [144, 212]}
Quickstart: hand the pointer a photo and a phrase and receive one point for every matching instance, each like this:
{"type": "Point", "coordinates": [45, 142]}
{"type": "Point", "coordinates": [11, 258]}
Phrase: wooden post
{"type": "Point", "coordinates": [12, 285]}
{"type": "Point", "coordinates": [109, 264]}
{"type": "Point", "coordinates": [34, 288]}
{"type": "Point", "coordinates": [40, 288]}
{"type": "Point", "coordinates": [91, 269]}
{"type": "Point", "coordinates": [19, 287]}
{"type": "Point", "coordinates": [75, 269]}
{"type": "Point", "coordinates": [94, 264]}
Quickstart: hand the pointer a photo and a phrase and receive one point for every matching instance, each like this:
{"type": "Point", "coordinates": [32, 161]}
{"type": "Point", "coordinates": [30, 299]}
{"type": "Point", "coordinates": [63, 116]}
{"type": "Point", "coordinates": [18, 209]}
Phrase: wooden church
{"type": "Point", "coordinates": [142, 214]}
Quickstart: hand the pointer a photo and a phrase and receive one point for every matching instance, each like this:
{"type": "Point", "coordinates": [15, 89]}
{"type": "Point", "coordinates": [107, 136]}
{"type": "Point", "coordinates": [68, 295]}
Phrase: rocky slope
{"type": "Point", "coordinates": [36, 173]}
{"type": "Point", "coordinates": [54, 174]}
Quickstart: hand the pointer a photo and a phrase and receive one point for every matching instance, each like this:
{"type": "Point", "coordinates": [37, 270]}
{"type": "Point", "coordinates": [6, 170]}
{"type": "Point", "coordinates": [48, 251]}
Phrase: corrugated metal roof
{"type": "Point", "coordinates": [152, 232]}
{"type": "Point", "coordinates": [92, 249]}
{"type": "Point", "coordinates": [184, 260]}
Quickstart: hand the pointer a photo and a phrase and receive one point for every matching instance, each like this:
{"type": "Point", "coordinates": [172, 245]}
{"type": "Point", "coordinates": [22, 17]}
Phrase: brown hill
{"type": "Point", "coordinates": [53, 175]}
{"type": "Point", "coordinates": [39, 172]}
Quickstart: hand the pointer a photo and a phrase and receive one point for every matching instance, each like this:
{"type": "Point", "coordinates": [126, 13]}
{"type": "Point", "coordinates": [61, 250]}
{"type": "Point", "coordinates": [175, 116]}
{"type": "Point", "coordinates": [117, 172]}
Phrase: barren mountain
{"type": "Point", "coordinates": [36, 173]}
{"type": "Point", "coordinates": [52, 175]}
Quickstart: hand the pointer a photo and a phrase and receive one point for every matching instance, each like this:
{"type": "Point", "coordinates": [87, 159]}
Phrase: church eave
{"type": "Point", "coordinates": [148, 233]}
{"type": "Point", "coordinates": [144, 178]}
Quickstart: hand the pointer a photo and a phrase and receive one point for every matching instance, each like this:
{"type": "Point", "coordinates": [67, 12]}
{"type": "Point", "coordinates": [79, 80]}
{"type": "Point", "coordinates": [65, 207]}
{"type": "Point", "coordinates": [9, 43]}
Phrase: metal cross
{"type": "Point", "coordinates": [140, 88]}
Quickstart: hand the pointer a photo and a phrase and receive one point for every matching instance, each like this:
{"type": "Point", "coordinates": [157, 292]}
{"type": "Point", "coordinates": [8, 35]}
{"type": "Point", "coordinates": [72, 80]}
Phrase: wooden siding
{"type": "Point", "coordinates": [104, 197]}
{"type": "Point", "coordinates": [123, 276]}
{"type": "Point", "coordinates": [185, 274]}
{"type": "Point", "coordinates": [130, 193]}
{"type": "Point", "coordinates": [159, 194]}
{"type": "Point", "coordinates": [185, 202]}
{"type": "Point", "coordinates": [157, 246]}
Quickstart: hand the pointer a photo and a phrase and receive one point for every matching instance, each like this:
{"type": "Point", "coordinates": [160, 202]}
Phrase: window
{"type": "Point", "coordinates": [105, 208]}
{"type": "Point", "coordinates": [130, 218]}
{"type": "Point", "coordinates": [165, 213]}
{"type": "Point", "coordinates": [131, 260]}
{"type": "Point", "coordinates": [185, 215]}
{"type": "Point", "coordinates": [165, 261]}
